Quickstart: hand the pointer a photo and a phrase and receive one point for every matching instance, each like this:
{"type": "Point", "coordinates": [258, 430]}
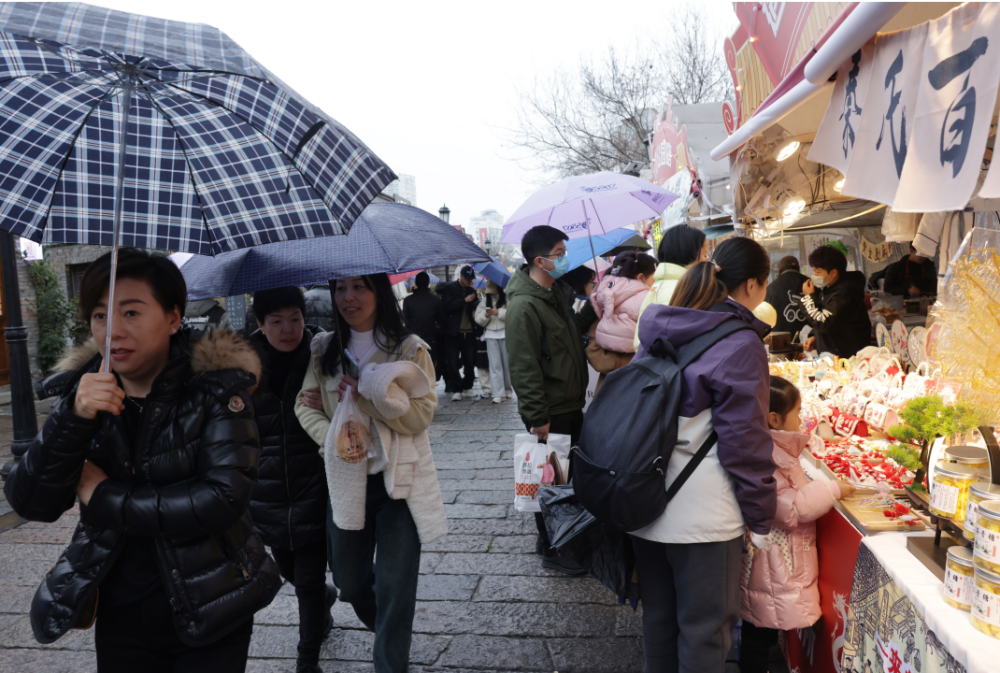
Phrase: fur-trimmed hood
{"type": "Point", "coordinates": [214, 350]}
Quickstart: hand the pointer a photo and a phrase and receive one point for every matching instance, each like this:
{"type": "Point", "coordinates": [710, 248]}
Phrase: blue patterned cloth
{"type": "Point", "coordinates": [221, 154]}
{"type": "Point", "coordinates": [387, 238]}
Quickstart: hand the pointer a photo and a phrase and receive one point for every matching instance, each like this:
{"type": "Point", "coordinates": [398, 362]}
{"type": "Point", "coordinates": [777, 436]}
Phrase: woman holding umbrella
{"type": "Point", "coordinates": [163, 456]}
{"type": "Point", "coordinates": [387, 498]}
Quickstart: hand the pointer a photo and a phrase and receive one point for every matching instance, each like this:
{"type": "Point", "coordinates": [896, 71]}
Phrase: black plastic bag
{"type": "Point", "coordinates": [604, 551]}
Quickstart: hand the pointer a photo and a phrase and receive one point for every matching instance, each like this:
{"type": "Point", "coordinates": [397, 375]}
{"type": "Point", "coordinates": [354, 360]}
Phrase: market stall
{"type": "Point", "coordinates": [910, 565]}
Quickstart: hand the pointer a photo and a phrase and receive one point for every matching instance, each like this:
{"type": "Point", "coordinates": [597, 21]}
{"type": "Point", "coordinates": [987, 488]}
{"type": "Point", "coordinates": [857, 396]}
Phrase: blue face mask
{"type": "Point", "coordinates": [562, 266]}
{"type": "Point", "coordinates": [819, 281]}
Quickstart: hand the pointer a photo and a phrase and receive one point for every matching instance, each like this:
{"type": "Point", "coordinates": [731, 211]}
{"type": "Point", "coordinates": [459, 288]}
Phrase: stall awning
{"type": "Point", "coordinates": [855, 26]}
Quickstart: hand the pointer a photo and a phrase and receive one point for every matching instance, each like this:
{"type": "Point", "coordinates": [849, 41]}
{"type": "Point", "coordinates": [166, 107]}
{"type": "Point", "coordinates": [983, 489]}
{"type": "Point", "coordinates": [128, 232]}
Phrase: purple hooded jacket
{"type": "Point", "coordinates": [730, 378]}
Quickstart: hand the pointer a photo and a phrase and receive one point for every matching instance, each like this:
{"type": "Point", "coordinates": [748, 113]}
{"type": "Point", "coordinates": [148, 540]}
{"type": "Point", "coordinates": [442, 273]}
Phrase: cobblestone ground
{"type": "Point", "coordinates": [484, 601]}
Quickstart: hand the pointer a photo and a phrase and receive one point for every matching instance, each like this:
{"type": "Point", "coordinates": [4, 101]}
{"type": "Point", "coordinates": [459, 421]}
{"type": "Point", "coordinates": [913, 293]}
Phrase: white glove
{"type": "Point", "coordinates": [762, 542]}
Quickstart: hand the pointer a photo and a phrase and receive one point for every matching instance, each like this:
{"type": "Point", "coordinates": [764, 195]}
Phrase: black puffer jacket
{"type": "Point", "coordinates": [453, 301]}
{"type": "Point", "coordinates": [199, 451]}
{"type": "Point", "coordinates": [319, 307]}
{"type": "Point", "coordinates": [288, 505]}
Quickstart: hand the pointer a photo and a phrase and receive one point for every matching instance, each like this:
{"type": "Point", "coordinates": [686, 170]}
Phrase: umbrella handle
{"type": "Point", "coordinates": [116, 230]}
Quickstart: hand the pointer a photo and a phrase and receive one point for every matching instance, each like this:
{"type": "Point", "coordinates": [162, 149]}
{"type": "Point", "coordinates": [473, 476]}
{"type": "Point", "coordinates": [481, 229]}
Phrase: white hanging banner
{"type": "Point", "coordinates": [887, 125]}
{"type": "Point", "coordinates": [961, 66]}
{"type": "Point", "coordinates": [837, 135]}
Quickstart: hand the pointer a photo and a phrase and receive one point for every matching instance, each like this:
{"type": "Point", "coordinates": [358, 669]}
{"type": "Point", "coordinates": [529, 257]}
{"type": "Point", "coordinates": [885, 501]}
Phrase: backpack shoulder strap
{"type": "Point", "coordinates": [702, 343]}
{"type": "Point", "coordinates": [692, 465]}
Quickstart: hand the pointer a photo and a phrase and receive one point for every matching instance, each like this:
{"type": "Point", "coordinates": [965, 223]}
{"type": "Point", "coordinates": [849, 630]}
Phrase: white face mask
{"type": "Point", "coordinates": [819, 281]}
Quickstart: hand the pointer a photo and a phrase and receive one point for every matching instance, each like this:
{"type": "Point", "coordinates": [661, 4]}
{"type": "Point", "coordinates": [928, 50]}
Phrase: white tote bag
{"type": "Point", "coordinates": [537, 465]}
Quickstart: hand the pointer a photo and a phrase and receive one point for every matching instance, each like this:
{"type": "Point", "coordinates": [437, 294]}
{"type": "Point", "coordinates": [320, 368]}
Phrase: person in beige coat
{"type": "Point", "coordinates": [385, 496]}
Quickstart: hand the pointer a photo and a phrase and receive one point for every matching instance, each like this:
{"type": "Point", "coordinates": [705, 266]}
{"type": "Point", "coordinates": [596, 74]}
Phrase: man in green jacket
{"type": "Point", "coordinates": [548, 365]}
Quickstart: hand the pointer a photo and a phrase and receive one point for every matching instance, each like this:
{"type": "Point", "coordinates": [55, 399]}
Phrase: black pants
{"type": "Point", "coordinates": [559, 424]}
{"type": "Point", "coordinates": [460, 353]}
{"type": "Point", "coordinates": [755, 645]}
{"type": "Point", "coordinates": [140, 636]}
{"type": "Point", "coordinates": [305, 569]}
{"type": "Point", "coordinates": [690, 603]}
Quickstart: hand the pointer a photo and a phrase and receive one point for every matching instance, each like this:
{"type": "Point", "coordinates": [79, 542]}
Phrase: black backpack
{"type": "Point", "coordinates": [630, 432]}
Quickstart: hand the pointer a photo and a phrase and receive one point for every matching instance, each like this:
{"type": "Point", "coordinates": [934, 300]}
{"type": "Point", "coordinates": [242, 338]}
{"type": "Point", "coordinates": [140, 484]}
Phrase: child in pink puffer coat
{"type": "Point", "coordinates": [618, 298]}
{"type": "Point", "coordinates": [779, 588]}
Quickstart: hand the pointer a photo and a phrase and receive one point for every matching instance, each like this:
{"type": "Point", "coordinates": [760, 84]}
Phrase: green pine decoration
{"type": "Point", "coordinates": [928, 417]}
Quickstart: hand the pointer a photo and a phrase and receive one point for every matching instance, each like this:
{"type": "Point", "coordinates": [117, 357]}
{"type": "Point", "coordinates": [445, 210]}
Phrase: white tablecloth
{"type": "Point", "coordinates": [975, 650]}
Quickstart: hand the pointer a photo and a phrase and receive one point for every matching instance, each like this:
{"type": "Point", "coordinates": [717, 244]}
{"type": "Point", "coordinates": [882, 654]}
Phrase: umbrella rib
{"type": "Point", "coordinates": [264, 136]}
{"type": "Point", "coordinates": [384, 251]}
{"type": "Point", "coordinates": [62, 166]}
{"type": "Point", "coordinates": [187, 162]}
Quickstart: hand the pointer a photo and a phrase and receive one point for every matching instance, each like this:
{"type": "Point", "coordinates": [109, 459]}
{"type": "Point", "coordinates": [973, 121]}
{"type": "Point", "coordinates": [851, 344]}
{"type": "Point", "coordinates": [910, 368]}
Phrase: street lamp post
{"type": "Point", "coordinates": [445, 214]}
{"type": "Point", "coordinates": [487, 245]}
{"type": "Point", "coordinates": [21, 392]}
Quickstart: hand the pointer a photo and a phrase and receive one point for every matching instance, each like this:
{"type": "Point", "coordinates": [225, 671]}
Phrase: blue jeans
{"type": "Point", "coordinates": [383, 594]}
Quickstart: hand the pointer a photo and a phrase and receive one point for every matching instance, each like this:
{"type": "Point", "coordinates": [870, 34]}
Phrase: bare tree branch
{"type": "Point", "coordinates": [596, 118]}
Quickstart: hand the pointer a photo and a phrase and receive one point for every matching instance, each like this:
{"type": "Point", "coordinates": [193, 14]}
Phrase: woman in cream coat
{"type": "Point", "coordinates": [389, 500]}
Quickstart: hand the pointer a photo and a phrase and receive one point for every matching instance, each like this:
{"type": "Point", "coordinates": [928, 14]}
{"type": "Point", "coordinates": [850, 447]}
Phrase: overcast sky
{"type": "Point", "coordinates": [428, 85]}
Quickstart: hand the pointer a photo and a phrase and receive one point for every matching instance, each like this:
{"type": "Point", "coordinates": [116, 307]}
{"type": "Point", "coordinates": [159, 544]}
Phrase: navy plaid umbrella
{"type": "Point", "coordinates": [170, 130]}
{"type": "Point", "coordinates": [386, 238]}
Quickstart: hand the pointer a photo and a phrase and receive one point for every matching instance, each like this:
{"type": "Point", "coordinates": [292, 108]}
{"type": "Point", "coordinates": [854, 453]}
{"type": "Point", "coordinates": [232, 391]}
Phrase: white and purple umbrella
{"type": "Point", "coordinates": [588, 205]}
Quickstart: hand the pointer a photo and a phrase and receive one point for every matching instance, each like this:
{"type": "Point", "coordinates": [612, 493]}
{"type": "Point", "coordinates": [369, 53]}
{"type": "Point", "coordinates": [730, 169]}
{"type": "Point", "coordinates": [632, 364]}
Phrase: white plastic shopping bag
{"type": "Point", "coordinates": [537, 465]}
{"type": "Point", "coordinates": [354, 443]}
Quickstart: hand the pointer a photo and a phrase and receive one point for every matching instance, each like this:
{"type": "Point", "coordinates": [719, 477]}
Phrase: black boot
{"type": "Point", "coordinates": [331, 598]}
{"type": "Point", "coordinates": [564, 564]}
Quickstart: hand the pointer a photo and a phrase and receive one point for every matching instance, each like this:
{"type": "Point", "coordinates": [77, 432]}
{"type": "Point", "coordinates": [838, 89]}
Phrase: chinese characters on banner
{"type": "Point", "coordinates": [837, 136]}
{"type": "Point", "coordinates": [876, 252]}
{"type": "Point", "coordinates": [920, 129]}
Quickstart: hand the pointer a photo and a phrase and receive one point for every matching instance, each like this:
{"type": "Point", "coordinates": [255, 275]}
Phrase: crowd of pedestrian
{"type": "Point", "coordinates": [203, 450]}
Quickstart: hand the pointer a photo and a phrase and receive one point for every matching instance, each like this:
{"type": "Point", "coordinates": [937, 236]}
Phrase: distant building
{"type": "Point", "coordinates": [487, 227]}
{"type": "Point", "coordinates": [403, 189]}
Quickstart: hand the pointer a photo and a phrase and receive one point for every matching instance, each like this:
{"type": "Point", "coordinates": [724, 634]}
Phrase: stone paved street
{"type": "Point", "coordinates": [484, 601]}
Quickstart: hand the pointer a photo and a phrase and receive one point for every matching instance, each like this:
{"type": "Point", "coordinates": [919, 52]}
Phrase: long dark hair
{"type": "Point", "coordinates": [737, 259]}
{"type": "Point", "coordinates": [501, 298]}
{"type": "Point", "coordinates": [388, 323]}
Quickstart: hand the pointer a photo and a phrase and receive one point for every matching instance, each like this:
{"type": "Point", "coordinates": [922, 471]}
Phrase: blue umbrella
{"type": "Point", "coordinates": [386, 238]}
{"type": "Point", "coordinates": [494, 270]}
{"type": "Point", "coordinates": [579, 253]}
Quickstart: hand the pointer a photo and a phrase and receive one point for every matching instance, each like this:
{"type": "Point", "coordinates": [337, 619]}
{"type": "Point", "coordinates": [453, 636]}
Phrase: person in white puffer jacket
{"type": "Point", "coordinates": [490, 315]}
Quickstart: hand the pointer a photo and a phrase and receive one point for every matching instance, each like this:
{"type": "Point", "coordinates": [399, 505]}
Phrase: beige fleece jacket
{"type": "Point", "coordinates": [409, 472]}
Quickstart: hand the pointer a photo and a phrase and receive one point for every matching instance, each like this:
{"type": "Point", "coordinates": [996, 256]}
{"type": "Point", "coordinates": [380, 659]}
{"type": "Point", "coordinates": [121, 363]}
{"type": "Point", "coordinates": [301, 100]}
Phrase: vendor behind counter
{"type": "Point", "coordinates": [912, 276]}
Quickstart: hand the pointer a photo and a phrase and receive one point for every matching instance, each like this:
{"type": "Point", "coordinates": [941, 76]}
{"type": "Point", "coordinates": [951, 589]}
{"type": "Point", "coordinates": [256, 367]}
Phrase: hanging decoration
{"type": "Point", "coordinates": [876, 252]}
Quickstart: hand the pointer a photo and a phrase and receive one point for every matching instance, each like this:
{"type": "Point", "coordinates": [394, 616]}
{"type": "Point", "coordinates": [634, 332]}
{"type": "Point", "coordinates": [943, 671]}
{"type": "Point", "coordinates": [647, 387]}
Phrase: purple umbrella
{"type": "Point", "coordinates": [588, 205]}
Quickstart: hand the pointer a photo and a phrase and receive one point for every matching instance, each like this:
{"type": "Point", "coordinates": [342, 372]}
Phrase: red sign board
{"type": "Point", "coordinates": [670, 147]}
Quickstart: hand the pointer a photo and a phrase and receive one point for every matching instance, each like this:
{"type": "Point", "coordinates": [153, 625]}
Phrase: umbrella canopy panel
{"type": "Point", "coordinates": [219, 154]}
{"type": "Point", "coordinates": [388, 238]}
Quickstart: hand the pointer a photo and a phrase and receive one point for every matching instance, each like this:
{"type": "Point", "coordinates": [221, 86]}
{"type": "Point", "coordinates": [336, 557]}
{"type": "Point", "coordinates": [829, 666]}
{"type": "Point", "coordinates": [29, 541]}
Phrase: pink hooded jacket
{"type": "Point", "coordinates": [779, 588]}
{"type": "Point", "coordinates": [617, 302]}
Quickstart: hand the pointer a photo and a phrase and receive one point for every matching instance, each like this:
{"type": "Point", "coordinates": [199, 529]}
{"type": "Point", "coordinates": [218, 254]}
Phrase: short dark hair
{"type": "Point", "coordinates": [788, 263]}
{"type": "Point", "coordinates": [784, 396]}
{"type": "Point", "coordinates": [539, 242]}
{"type": "Point", "coordinates": [681, 245]}
{"type": "Point", "coordinates": [828, 258]}
{"type": "Point", "coordinates": [423, 280]}
{"type": "Point", "coordinates": [266, 302]}
{"type": "Point", "coordinates": [578, 278]}
{"type": "Point", "coordinates": [162, 276]}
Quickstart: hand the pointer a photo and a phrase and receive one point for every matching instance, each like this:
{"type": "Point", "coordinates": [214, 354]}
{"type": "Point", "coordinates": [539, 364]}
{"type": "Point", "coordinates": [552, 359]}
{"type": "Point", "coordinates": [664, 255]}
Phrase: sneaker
{"type": "Point", "coordinates": [497, 400]}
{"type": "Point", "coordinates": [563, 564]}
{"type": "Point", "coordinates": [457, 397]}
{"type": "Point", "coordinates": [472, 395]}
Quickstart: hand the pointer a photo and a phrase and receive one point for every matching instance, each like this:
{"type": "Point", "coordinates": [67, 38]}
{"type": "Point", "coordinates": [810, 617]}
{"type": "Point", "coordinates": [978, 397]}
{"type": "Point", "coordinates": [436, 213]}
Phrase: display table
{"type": "Point", "coordinates": [898, 621]}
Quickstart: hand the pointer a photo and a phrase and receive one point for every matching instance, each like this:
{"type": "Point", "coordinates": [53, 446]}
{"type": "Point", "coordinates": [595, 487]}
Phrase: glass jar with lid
{"type": "Point", "coordinates": [959, 574]}
{"type": "Point", "coordinates": [975, 457]}
{"type": "Point", "coordinates": [979, 491]}
{"type": "Point", "coordinates": [985, 614]}
{"type": "Point", "coordinates": [987, 545]}
{"type": "Point", "coordinates": [950, 490]}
